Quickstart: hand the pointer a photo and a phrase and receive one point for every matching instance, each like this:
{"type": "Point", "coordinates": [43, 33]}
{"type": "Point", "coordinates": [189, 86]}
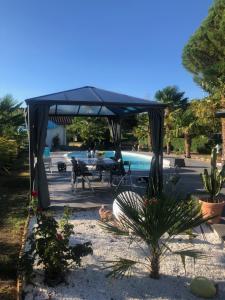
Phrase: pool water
{"type": "Point", "coordinates": [138, 162]}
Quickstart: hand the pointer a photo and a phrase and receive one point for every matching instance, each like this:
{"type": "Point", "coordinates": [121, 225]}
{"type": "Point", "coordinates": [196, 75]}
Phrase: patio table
{"type": "Point", "coordinates": [95, 161]}
{"type": "Point", "coordinates": [98, 165]}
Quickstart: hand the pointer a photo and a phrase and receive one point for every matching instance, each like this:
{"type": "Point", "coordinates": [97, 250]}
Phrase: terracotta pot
{"type": "Point", "coordinates": [212, 209]}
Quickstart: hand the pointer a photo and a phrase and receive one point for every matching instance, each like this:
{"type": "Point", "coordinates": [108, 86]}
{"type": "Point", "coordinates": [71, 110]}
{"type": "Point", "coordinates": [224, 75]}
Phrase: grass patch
{"type": "Point", "coordinates": [14, 190]}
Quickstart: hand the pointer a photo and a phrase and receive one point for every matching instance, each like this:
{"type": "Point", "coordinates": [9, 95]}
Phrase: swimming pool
{"type": "Point", "coordinates": [139, 162]}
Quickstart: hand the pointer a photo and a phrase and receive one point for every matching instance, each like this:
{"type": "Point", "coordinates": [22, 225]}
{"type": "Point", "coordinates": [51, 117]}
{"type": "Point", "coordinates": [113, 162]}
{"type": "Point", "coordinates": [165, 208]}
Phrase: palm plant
{"type": "Point", "coordinates": [154, 222]}
{"type": "Point", "coordinates": [11, 116]}
{"type": "Point", "coordinates": [174, 99]}
{"type": "Point", "coordinates": [186, 124]}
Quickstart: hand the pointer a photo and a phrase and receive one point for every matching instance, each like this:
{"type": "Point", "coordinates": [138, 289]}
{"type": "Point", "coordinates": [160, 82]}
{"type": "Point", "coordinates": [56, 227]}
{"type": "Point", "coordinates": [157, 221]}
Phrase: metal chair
{"type": "Point", "coordinates": [125, 175]}
{"type": "Point", "coordinates": [80, 170]}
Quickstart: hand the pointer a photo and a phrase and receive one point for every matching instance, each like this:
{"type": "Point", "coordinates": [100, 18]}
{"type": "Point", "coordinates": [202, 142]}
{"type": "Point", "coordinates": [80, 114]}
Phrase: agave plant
{"type": "Point", "coordinates": [155, 221]}
{"type": "Point", "coordinates": [213, 182]}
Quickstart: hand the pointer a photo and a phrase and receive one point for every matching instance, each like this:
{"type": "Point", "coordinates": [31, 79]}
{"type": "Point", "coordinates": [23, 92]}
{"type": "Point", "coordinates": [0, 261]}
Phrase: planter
{"type": "Point", "coordinates": [212, 209]}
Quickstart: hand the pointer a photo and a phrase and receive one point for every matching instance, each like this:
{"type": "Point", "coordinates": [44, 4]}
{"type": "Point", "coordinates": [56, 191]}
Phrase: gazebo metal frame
{"type": "Point", "coordinates": [92, 102]}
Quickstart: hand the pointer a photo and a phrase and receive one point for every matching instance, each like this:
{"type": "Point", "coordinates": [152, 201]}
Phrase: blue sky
{"type": "Point", "coordinates": [128, 46]}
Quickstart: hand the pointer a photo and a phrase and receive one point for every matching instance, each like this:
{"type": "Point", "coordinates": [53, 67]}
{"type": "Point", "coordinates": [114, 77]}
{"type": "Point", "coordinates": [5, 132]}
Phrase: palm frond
{"type": "Point", "coordinates": [120, 268]}
{"type": "Point", "coordinates": [112, 228]}
{"type": "Point", "coordinates": [195, 254]}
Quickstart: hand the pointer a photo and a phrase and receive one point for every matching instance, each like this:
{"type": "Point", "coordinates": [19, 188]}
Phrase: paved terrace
{"type": "Point", "coordinates": [61, 193]}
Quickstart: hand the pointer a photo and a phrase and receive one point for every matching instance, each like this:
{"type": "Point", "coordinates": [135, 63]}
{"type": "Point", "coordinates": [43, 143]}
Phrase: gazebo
{"type": "Point", "coordinates": [88, 101]}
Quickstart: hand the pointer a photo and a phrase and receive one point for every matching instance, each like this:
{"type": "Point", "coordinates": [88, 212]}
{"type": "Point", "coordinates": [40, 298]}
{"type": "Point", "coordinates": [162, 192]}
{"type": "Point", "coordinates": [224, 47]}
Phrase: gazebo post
{"type": "Point", "coordinates": [31, 147]}
{"type": "Point", "coordinates": [156, 119]}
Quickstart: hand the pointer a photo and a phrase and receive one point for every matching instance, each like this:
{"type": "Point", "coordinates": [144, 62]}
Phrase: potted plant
{"type": "Point", "coordinates": [213, 182]}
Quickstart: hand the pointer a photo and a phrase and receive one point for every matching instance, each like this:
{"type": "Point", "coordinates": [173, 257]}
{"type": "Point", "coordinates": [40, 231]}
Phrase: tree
{"type": "Point", "coordinates": [11, 117]}
{"type": "Point", "coordinates": [204, 56]}
{"type": "Point", "coordinates": [143, 131]}
{"type": "Point", "coordinates": [174, 99]}
{"type": "Point", "coordinates": [185, 124]}
{"type": "Point", "coordinates": [205, 112]}
{"type": "Point", "coordinates": [89, 129]}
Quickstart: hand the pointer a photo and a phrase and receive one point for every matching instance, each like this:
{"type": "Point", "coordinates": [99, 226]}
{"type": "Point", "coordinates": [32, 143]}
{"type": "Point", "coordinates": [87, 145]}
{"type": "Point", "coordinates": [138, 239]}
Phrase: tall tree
{"type": "Point", "coordinates": [185, 124]}
{"type": "Point", "coordinates": [174, 99]}
{"type": "Point", "coordinates": [143, 130]}
{"type": "Point", "coordinates": [11, 116]}
{"type": "Point", "coordinates": [204, 55]}
{"type": "Point", "coordinates": [205, 112]}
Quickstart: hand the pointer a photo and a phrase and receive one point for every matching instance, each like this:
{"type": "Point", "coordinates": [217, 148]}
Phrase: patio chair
{"type": "Point", "coordinates": [124, 175]}
{"type": "Point", "coordinates": [80, 170]}
{"type": "Point", "coordinates": [104, 172]}
{"type": "Point", "coordinates": [132, 196]}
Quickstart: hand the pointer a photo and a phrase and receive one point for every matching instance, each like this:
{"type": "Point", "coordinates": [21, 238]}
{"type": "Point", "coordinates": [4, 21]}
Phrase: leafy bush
{"type": "Point", "coordinates": [49, 246]}
{"type": "Point", "coordinates": [8, 154]}
{"type": "Point", "coordinates": [199, 144]}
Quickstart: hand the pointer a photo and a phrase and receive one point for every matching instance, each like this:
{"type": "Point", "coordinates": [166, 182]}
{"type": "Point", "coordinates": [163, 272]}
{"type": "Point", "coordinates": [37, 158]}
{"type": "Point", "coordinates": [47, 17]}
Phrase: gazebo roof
{"type": "Point", "coordinates": [91, 101]}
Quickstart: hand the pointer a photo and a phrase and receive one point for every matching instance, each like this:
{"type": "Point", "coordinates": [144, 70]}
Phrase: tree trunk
{"type": "Point", "coordinates": [168, 147]}
{"type": "Point", "coordinates": [187, 145]}
{"type": "Point", "coordinates": [154, 265]}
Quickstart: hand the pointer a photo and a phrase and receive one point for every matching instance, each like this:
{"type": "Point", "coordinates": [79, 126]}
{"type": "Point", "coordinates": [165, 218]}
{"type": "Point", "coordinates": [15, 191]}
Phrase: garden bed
{"type": "Point", "coordinates": [90, 282]}
{"type": "Point", "coordinates": [13, 213]}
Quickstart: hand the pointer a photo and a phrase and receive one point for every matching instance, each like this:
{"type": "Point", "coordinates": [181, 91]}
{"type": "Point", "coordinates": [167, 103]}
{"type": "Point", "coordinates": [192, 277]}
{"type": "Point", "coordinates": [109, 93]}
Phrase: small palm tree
{"type": "Point", "coordinates": [186, 124]}
{"type": "Point", "coordinates": [174, 99]}
{"type": "Point", "coordinates": [155, 221]}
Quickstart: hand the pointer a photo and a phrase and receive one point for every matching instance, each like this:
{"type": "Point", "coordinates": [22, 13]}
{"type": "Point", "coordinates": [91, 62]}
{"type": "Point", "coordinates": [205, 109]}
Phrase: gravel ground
{"type": "Point", "coordinates": [90, 282]}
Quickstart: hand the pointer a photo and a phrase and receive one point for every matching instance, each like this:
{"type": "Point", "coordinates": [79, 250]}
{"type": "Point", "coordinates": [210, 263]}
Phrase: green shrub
{"type": "Point", "coordinates": [200, 144]}
{"type": "Point", "coordinates": [50, 247]}
{"type": "Point", "coordinates": [8, 154]}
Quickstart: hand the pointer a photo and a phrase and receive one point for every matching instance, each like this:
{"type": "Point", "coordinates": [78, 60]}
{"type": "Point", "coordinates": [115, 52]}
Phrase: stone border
{"type": "Point", "coordinates": [20, 279]}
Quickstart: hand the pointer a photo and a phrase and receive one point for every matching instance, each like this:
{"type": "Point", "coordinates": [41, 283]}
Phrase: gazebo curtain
{"type": "Point", "coordinates": [38, 121]}
{"type": "Point", "coordinates": [156, 118]}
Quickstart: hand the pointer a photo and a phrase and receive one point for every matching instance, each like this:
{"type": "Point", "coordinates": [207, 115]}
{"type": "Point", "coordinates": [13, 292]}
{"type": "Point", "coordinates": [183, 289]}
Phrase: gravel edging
{"type": "Point", "coordinates": [90, 282]}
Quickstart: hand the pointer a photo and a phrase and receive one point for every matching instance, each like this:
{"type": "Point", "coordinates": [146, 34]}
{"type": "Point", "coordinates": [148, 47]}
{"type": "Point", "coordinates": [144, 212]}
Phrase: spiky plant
{"type": "Point", "coordinates": [213, 182]}
{"type": "Point", "coordinates": [156, 222]}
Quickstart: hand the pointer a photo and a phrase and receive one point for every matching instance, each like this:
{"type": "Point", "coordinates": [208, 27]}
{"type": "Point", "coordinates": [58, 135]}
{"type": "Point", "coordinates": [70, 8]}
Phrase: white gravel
{"type": "Point", "coordinates": [90, 282]}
